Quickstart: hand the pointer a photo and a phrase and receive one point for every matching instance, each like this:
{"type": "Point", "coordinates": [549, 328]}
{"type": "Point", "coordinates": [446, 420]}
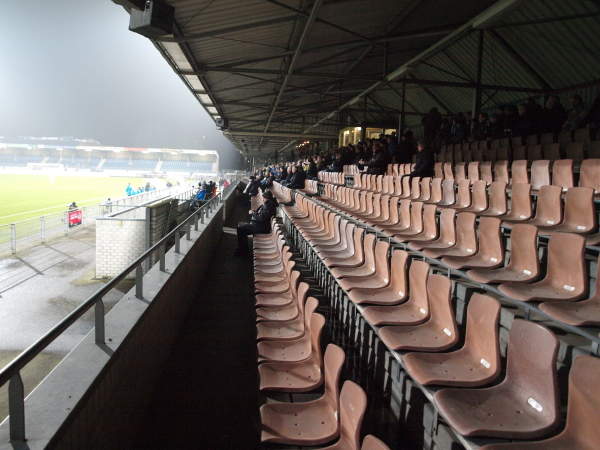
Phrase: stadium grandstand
{"type": "Point", "coordinates": [423, 273]}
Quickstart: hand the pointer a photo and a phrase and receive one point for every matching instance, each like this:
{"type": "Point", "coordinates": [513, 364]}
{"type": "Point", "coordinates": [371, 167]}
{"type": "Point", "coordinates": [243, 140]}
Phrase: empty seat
{"type": "Point", "coordinates": [448, 195]}
{"type": "Point", "coordinates": [579, 214]}
{"type": "Point", "coordinates": [392, 294]}
{"type": "Point", "coordinates": [551, 152]}
{"type": "Point", "coordinates": [372, 443]}
{"type": "Point", "coordinates": [429, 229]}
{"type": "Point", "coordinates": [417, 223]}
{"type": "Point", "coordinates": [310, 423]}
{"type": "Point", "coordinates": [377, 278]}
{"type": "Point", "coordinates": [479, 197]}
{"type": "Point", "coordinates": [293, 329]}
{"type": "Point", "coordinates": [594, 149]}
{"type": "Point", "coordinates": [424, 190]}
{"type": "Point", "coordinates": [463, 197]}
{"type": "Point", "coordinates": [575, 151]}
{"type": "Point", "coordinates": [589, 175]}
{"type": "Point", "coordinates": [565, 276]}
{"type": "Point", "coordinates": [534, 153]}
{"type": "Point", "coordinates": [547, 138]}
{"type": "Point", "coordinates": [353, 256]}
{"type": "Point", "coordinates": [393, 215]}
{"type": "Point", "coordinates": [466, 239]}
{"type": "Point", "coordinates": [532, 140]}
{"type": "Point", "coordinates": [491, 251]}
{"type": "Point", "coordinates": [519, 174]}
{"type": "Point", "coordinates": [416, 308]}
{"type": "Point", "coordinates": [448, 170]}
{"type": "Point", "coordinates": [486, 172]}
{"type": "Point", "coordinates": [525, 405]}
{"type": "Point", "coordinates": [524, 265]}
{"type": "Point", "coordinates": [562, 174]}
{"type": "Point", "coordinates": [403, 221]}
{"type": "Point", "coordinates": [497, 203]}
{"type": "Point", "coordinates": [439, 170]}
{"type": "Point", "coordinates": [548, 209]}
{"type": "Point", "coordinates": [353, 404]}
{"type": "Point", "coordinates": [501, 171]}
{"type": "Point", "coordinates": [439, 333]}
{"type": "Point", "coordinates": [436, 191]}
{"type": "Point", "coordinates": [520, 152]}
{"type": "Point", "coordinates": [582, 431]}
{"type": "Point", "coordinates": [520, 204]}
{"type": "Point", "coordinates": [473, 171]}
{"type": "Point", "coordinates": [284, 312]}
{"type": "Point", "coordinates": [540, 174]}
{"type": "Point", "coordinates": [460, 172]}
{"type": "Point", "coordinates": [477, 363]}
{"type": "Point", "coordinates": [351, 270]}
{"type": "Point", "coordinates": [447, 233]}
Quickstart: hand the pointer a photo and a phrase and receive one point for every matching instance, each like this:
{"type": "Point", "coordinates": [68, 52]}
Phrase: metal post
{"type": "Point", "coordinates": [13, 237]}
{"type": "Point", "coordinates": [202, 215]}
{"type": "Point", "coordinates": [84, 216]}
{"type": "Point", "coordinates": [177, 243]}
{"type": "Point", "coordinates": [99, 322]}
{"type": "Point", "coordinates": [196, 221]}
{"type": "Point", "coordinates": [161, 258]}
{"type": "Point", "coordinates": [478, 90]}
{"type": "Point", "coordinates": [16, 408]}
{"type": "Point", "coordinates": [402, 112]}
{"type": "Point", "coordinates": [139, 283]}
{"type": "Point", "coordinates": [188, 231]}
{"type": "Point", "coordinates": [43, 230]}
{"type": "Point", "coordinates": [147, 239]}
{"type": "Point", "coordinates": [66, 220]}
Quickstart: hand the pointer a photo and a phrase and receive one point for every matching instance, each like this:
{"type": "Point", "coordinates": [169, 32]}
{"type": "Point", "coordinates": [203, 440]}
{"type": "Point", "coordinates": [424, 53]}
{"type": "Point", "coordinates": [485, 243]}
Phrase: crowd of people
{"type": "Point", "coordinates": [130, 190]}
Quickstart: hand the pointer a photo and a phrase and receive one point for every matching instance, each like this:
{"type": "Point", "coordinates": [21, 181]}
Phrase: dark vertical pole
{"type": "Point", "coordinates": [403, 111]}
{"type": "Point", "coordinates": [478, 90]}
{"type": "Point", "coordinates": [363, 128]}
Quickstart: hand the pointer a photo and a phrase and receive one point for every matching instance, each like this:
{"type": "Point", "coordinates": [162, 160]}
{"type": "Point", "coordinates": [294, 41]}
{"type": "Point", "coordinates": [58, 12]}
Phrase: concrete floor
{"type": "Point", "coordinates": [208, 394]}
{"type": "Point", "coordinates": [38, 288]}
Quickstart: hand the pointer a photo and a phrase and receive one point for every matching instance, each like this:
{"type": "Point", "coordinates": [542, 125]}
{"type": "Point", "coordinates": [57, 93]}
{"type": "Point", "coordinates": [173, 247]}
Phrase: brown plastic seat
{"type": "Point", "coordinates": [448, 170]}
{"type": "Point", "coordinates": [403, 221]}
{"type": "Point", "coordinates": [548, 210]}
{"type": "Point", "coordinates": [393, 215]}
{"type": "Point", "coordinates": [416, 224]}
{"type": "Point", "coordinates": [310, 423]}
{"type": "Point", "coordinates": [448, 194]}
{"type": "Point", "coordinates": [439, 333]}
{"type": "Point", "coordinates": [519, 172]}
{"type": "Point", "coordinates": [289, 311]}
{"type": "Point", "coordinates": [447, 234]}
{"type": "Point", "coordinates": [346, 239]}
{"type": "Point", "coordinates": [502, 154]}
{"type": "Point", "coordinates": [579, 213]}
{"type": "Point", "coordinates": [479, 198]}
{"type": "Point", "coordinates": [435, 191]}
{"type": "Point", "coordinates": [497, 204]}
{"type": "Point", "coordinates": [392, 294]}
{"type": "Point", "coordinates": [429, 230]}
{"type": "Point", "coordinates": [394, 170]}
{"type": "Point", "coordinates": [425, 190]}
{"type": "Point", "coordinates": [589, 175]}
{"type": "Point", "coordinates": [562, 174]}
{"type": "Point", "coordinates": [574, 151]}
{"type": "Point", "coordinates": [336, 236]}
{"type": "Point", "coordinates": [491, 250]}
{"type": "Point", "coordinates": [372, 443]}
{"type": "Point", "coordinates": [416, 309]}
{"type": "Point", "coordinates": [532, 139]}
{"type": "Point", "coordinates": [582, 431]}
{"type": "Point", "coordinates": [540, 174]}
{"type": "Point", "coordinates": [368, 206]}
{"type": "Point", "coordinates": [277, 298]}
{"type": "Point", "coordinates": [295, 377]}
{"type": "Point", "coordinates": [548, 138]}
{"type": "Point", "coordinates": [524, 265]}
{"type": "Point", "coordinates": [353, 256]}
{"type": "Point", "coordinates": [525, 405]}
{"type": "Point", "coordinates": [486, 172]}
{"type": "Point", "coordinates": [353, 404]}
{"type": "Point", "coordinates": [378, 278]}
{"type": "Point", "coordinates": [438, 170]}
{"type": "Point", "coordinates": [594, 149]}
{"type": "Point", "coordinates": [520, 152]}
{"type": "Point", "coordinates": [520, 205]}
{"type": "Point", "coordinates": [296, 350]}
{"type": "Point", "coordinates": [415, 189]}
{"type": "Point", "coordinates": [463, 197]}
{"type": "Point", "coordinates": [551, 152]}
{"type": "Point", "coordinates": [293, 329]}
{"type": "Point", "coordinates": [501, 171]}
{"type": "Point", "coordinates": [368, 266]}
{"type": "Point", "coordinates": [565, 280]}
{"type": "Point", "coordinates": [382, 214]}
{"type": "Point", "coordinates": [466, 239]}
{"type": "Point", "coordinates": [534, 153]}
{"type": "Point", "coordinates": [476, 364]}
{"type": "Point", "coordinates": [460, 172]}
{"type": "Point", "coordinates": [473, 171]}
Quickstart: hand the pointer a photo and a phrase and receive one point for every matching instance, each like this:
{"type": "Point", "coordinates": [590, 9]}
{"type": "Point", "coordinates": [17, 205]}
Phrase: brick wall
{"type": "Point", "coordinates": [118, 244]}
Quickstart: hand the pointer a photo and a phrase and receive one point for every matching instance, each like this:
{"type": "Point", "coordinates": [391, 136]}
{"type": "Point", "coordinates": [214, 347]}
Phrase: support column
{"type": "Point", "coordinates": [403, 111]}
{"type": "Point", "coordinates": [478, 90]}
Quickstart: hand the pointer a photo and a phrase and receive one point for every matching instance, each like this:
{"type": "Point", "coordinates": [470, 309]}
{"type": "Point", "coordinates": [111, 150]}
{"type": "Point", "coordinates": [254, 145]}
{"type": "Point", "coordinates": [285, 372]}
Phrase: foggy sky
{"type": "Point", "coordinates": [72, 68]}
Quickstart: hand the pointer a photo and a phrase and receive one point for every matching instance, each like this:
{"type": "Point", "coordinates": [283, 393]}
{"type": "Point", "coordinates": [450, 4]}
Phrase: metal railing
{"type": "Point", "coordinates": [43, 228]}
{"type": "Point", "coordinates": [11, 373]}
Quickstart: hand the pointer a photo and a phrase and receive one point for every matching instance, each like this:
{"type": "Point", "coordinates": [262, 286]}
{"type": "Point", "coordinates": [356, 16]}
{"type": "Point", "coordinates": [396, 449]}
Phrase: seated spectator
{"type": "Point", "coordinates": [311, 170]}
{"type": "Point", "coordinates": [128, 189]}
{"type": "Point", "coordinates": [432, 122]}
{"type": "Point", "coordinates": [338, 164]}
{"type": "Point", "coordinates": [425, 162]}
{"type": "Point", "coordinates": [298, 178]}
{"type": "Point", "coordinates": [379, 162]}
{"type": "Point", "coordinates": [553, 116]}
{"type": "Point", "coordinates": [511, 120]}
{"type": "Point", "coordinates": [577, 114]}
{"type": "Point", "coordinates": [73, 206]}
{"type": "Point", "coordinates": [260, 223]}
{"type": "Point", "coordinates": [321, 164]}
{"type": "Point", "coordinates": [457, 133]}
{"type": "Point", "coordinates": [252, 188]}
{"type": "Point", "coordinates": [268, 181]}
{"type": "Point", "coordinates": [481, 131]}
{"type": "Point", "coordinates": [495, 127]}
{"type": "Point", "coordinates": [525, 125]}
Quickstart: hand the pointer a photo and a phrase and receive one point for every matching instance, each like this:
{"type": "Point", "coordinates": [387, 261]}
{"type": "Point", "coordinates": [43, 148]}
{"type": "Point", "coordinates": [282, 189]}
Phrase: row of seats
{"type": "Point", "coordinates": [290, 359]}
{"type": "Point", "coordinates": [19, 161]}
{"type": "Point", "coordinates": [415, 315]}
{"type": "Point", "coordinates": [311, 187]}
{"type": "Point", "coordinates": [351, 169]}
{"type": "Point", "coordinates": [332, 178]}
{"type": "Point", "coordinates": [126, 164]}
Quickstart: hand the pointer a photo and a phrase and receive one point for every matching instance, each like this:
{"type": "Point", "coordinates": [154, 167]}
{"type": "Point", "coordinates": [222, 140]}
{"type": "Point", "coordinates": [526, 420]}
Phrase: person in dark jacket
{"type": "Point", "coordinates": [338, 164]}
{"type": "Point", "coordinates": [393, 148]}
{"type": "Point", "coordinates": [288, 178]}
{"type": "Point", "coordinates": [260, 223]}
{"type": "Point", "coordinates": [554, 115]}
{"type": "Point", "coordinates": [268, 182]}
{"type": "Point", "coordinates": [298, 177]}
{"type": "Point", "coordinates": [311, 172]}
{"type": "Point", "coordinates": [425, 162]}
{"type": "Point", "coordinates": [379, 162]}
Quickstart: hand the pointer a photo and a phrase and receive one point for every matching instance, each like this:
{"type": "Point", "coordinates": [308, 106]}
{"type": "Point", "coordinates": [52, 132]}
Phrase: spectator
{"type": "Point", "coordinates": [268, 181]}
{"type": "Point", "coordinates": [425, 162]}
{"type": "Point", "coordinates": [432, 123]}
{"type": "Point", "coordinates": [225, 184]}
{"type": "Point", "coordinates": [298, 178]}
{"type": "Point", "coordinates": [554, 116]}
{"type": "Point", "coordinates": [393, 149]}
{"type": "Point", "coordinates": [481, 131]}
{"type": "Point", "coordinates": [128, 189]}
{"type": "Point", "coordinates": [577, 114]}
{"type": "Point", "coordinates": [252, 188]}
{"type": "Point", "coordinates": [457, 133]}
{"type": "Point", "coordinates": [338, 164]}
{"type": "Point", "coordinates": [537, 113]}
{"type": "Point", "coordinates": [321, 164]}
{"type": "Point", "coordinates": [379, 162]}
{"type": "Point", "coordinates": [73, 206]}
{"type": "Point", "coordinates": [525, 125]}
{"type": "Point", "coordinates": [511, 120]}
{"type": "Point", "coordinates": [495, 127]}
{"type": "Point", "coordinates": [260, 223]}
{"type": "Point", "coordinates": [311, 171]}
{"type": "Point", "coordinates": [592, 120]}
{"type": "Point", "coordinates": [405, 148]}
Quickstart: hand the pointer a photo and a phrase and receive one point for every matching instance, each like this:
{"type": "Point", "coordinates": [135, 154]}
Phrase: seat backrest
{"type": "Point", "coordinates": [497, 198]}
{"type": "Point", "coordinates": [519, 174]}
{"type": "Point", "coordinates": [395, 170]}
{"type": "Point", "coordinates": [415, 190]}
{"type": "Point", "coordinates": [594, 149]}
{"type": "Point", "coordinates": [369, 247]}
{"type": "Point", "coordinates": [523, 250]}
{"type": "Point", "coordinates": [519, 152]}
{"type": "Point", "coordinates": [531, 368]}
{"type": "Point", "coordinates": [382, 262]}
{"type": "Point", "coordinates": [531, 140]}
{"type": "Point", "coordinates": [398, 265]}
{"type": "Point", "coordinates": [490, 239]}
{"type": "Point", "coordinates": [584, 402]}
{"type": "Point", "coordinates": [439, 290]}
{"type": "Point", "coordinates": [495, 144]}
{"type": "Point", "coordinates": [566, 263]}
{"type": "Point", "coordinates": [385, 207]}
{"type": "Point", "coordinates": [353, 404]}
{"type": "Point", "coordinates": [589, 174]}
{"type": "Point", "coordinates": [404, 213]}
{"type": "Point", "coordinates": [448, 195]}
{"type": "Point", "coordinates": [463, 197]}
{"type": "Point", "coordinates": [460, 173]}
{"type": "Point", "coordinates": [376, 205]}
{"type": "Point", "coordinates": [574, 150]}
{"type": "Point", "coordinates": [481, 338]}
{"type": "Point", "coordinates": [564, 137]}
{"type": "Point", "coordinates": [520, 201]}
{"type": "Point", "coordinates": [477, 154]}
{"type": "Point", "coordinates": [479, 197]}
{"type": "Point", "coordinates": [370, 442]}
{"type": "Point", "coordinates": [473, 170]}
{"type": "Point", "coordinates": [517, 141]}
{"type": "Point", "coordinates": [448, 170]}
{"type": "Point", "coordinates": [579, 209]}
{"type": "Point", "coordinates": [549, 206]}
{"type": "Point", "coordinates": [436, 190]}
{"type": "Point", "coordinates": [501, 171]}
{"type": "Point", "coordinates": [333, 361]}
{"type": "Point", "coordinates": [418, 275]}
{"type": "Point", "coordinates": [306, 307]}
{"type": "Point", "coordinates": [534, 152]}
{"type": "Point", "coordinates": [551, 151]}
{"type": "Point", "coordinates": [547, 138]}
{"type": "Point", "coordinates": [562, 173]}
{"type": "Point", "coordinates": [379, 183]}
{"type": "Point", "coordinates": [540, 174]}
{"type": "Point", "coordinates": [467, 155]}
{"type": "Point", "coordinates": [438, 170]}
{"type": "Point", "coordinates": [448, 226]}
{"type": "Point", "coordinates": [486, 171]}
{"type": "Point", "coordinates": [416, 216]}
{"type": "Point", "coordinates": [466, 237]}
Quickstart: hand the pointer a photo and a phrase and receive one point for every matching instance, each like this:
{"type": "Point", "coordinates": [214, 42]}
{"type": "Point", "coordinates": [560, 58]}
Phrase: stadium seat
{"type": "Point", "coordinates": [575, 151]}
{"type": "Point", "coordinates": [424, 190]}
{"type": "Point", "coordinates": [525, 405]}
{"type": "Point", "coordinates": [439, 170]}
{"type": "Point", "coordinates": [414, 311]}
{"type": "Point", "coordinates": [551, 152]}
{"type": "Point", "coordinates": [435, 195]}
{"type": "Point", "coordinates": [448, 194]}
{"type": "Point", "coordinates": [392, 294]}
{"type": "Point", "coordinates": [519, 172]}
{"type": "Point", "coordinates": [497, 205]}
{"type": "Point", "coordinates": [473, 171]}
{"type": "Point", "coordinates": [521, 208]}
{"type": "Point", "coordinates": [353, 404]}
{"type": "Point", "coordinates": [310, 423]}
{"type": "Point", "coordinates": [491, 250]}
{"type": "Point", "coordinates": [501, 171]}
{"type": "Point", "coordinates": [403, 221]}
{"type": "Point", "coordinates": [382, 211]}
{"type": "Point", "coordinates": [448, 171]}
{"type": "Point", "coordinates": [377, 278]}
{"type": "Point", "coordinates": [429, 230]}
{"type": "Point", "coordinates": [372, 443]}
{"type": "Point", "coordinates": [393, 215]}
{"type": "Point", "coordinates": [349, 268]}
{"type": "Point", "coordinates": [565, 279]}
{"type": "Point", "coordinates": [579, 214]}
{"type": "Point", "coordinates": [524, 265]}
{"type": "Point", "coordinates": [351, 256]}
{"type": "Point", "coordinates": [479, 197]}
{"type": "Point", "coordinates": [460, 172]}
{"type": "Point", "coordinates": [547, 138]}
{"type": "Point", "coordinates": [476, 364]}
{"type": "Point", "coordinates": [589, 175]}
{"type": "Point", "coordinates": [562, 174]}
{"type": "Point", "coordinates": [293, 329]}
{"type": "Point", "coordinates": [439, 333]}
{"type": "Point", "coordinates": [540, 174]}
{"type": "Point", "coordinates": [463, 197]}
{"type": "Point", "coordinates": [582, 431]}
{"type": "Point", "coordinates": [486, 172]}
{"type": "Point", "coordinates": [447, 233]}
{"type": "Point", "coordinates": [466, 239]}
{"type": "Point", "coordinates": [416, 224]}
{"type": "Point", "coordinates": [520, 153]}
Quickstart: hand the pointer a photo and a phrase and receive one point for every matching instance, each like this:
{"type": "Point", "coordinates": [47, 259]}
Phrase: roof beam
{"type": "Point", "coordinates": [548, 20]}
{"type": "Point", "coordinates": [281, 134]}
{"type": "Point", "coordinates": [403, 15]}
{"type": "Point", "coordinates": [205, 69]}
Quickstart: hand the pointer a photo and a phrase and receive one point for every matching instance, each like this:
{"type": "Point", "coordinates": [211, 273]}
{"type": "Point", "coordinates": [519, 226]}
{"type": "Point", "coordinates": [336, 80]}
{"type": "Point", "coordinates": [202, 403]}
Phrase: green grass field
{"type": "Point", "coordinates": [28, 196]}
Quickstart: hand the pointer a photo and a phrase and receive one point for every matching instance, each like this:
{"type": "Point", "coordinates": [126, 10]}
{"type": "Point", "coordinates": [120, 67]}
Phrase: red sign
{"type": "Point", "coordinates": [135, 149]}
{"type": "Point", "coordinates": [75, 218]}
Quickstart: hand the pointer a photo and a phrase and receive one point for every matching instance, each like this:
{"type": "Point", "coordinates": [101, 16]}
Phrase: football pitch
{"type": "Point", "coordinates": [28, 196]}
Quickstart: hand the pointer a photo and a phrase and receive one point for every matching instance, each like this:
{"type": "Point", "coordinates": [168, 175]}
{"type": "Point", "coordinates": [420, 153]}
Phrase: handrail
{"type": "Point", "coordinates": [11, 372]}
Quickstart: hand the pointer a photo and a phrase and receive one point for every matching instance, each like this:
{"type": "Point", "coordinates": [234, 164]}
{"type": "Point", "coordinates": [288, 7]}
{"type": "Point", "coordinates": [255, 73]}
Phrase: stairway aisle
{"type": "Point", "coordinates": [208, 395]}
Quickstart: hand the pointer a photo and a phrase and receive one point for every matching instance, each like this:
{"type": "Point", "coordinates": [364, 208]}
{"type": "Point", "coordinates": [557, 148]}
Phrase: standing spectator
{"type": "Point", "coordinates": [432, 123]}
{"type": "Point", "coordinates": [260, 223]}
{"type": "Point", "coordinates": [393, 149]}
{"type": "Point", "coordinates": [537, 113]}
{"type": "Point", "coordinates": [525, 125]}
{"type": "Point", "coordinates": [577, 114]}
{"type": "Point", "coordinates": [554, 116]}
{"type": "Point", "coordinates": [495, 127]}
{"type": "Point", "coordinates": [405, 148]}
{"type": "Point", "coordinates": [425, 162]}
{"type": "Point", "coordinates": [481, 131]}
